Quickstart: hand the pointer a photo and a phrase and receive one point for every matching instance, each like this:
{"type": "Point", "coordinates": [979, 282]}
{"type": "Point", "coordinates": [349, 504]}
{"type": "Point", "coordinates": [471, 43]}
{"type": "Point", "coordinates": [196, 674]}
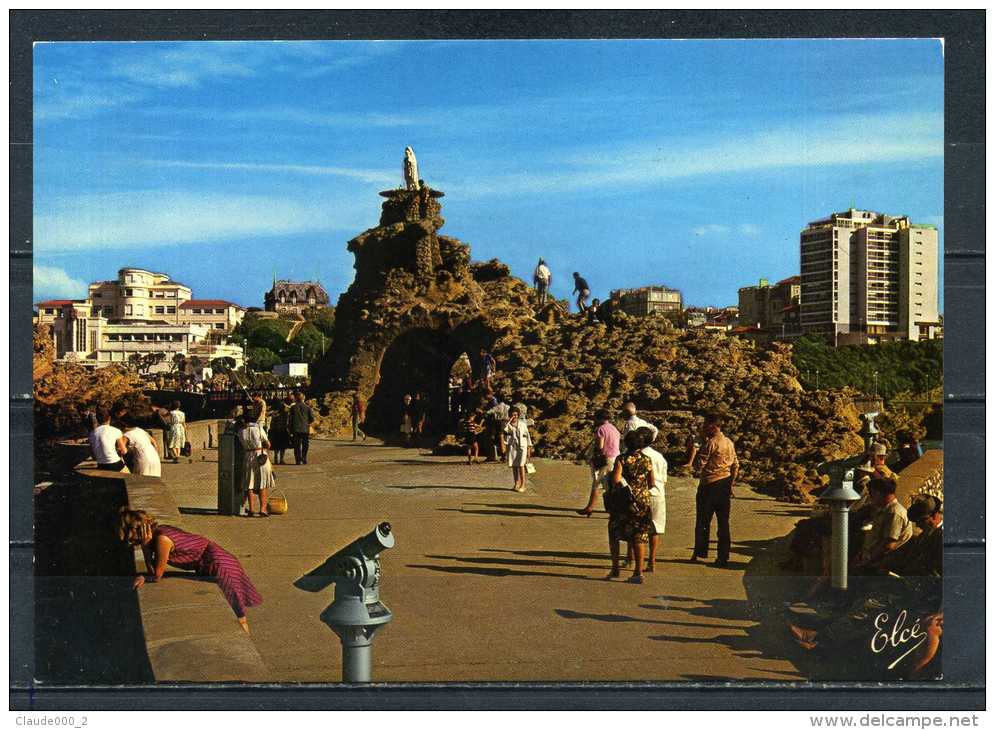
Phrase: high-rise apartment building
{"type": "Point", "coordinates": [867, 277]}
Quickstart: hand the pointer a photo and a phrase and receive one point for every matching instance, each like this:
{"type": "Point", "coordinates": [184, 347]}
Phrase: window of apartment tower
{"type": "Point", "coordinates": [170, 310]}
{"type": "Point", "coordinates": [127, 309]}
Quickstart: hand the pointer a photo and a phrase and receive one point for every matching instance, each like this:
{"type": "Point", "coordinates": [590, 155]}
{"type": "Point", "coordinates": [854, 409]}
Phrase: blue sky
{"type": "Point", "coordinates": [693, 164]}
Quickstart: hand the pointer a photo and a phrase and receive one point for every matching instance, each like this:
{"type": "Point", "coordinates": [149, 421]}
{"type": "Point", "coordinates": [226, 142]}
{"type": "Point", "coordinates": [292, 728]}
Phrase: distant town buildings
{"type": "Point", "coordinates": [867, 277]}
{"type": "Point", "coordinates": [712, 319]}
{"type": "Point", "coordinates": [770, 312]}
{"type": "Point", "coordinates": [647, 300]}
{"type": "Point", "coordinates": [140, 313]}
{"type": "Point", "coordinates": [295, 297]}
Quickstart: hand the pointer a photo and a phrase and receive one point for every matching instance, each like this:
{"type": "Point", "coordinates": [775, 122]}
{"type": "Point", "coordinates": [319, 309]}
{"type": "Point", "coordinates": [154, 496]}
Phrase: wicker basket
{"type": "Point", "coordinates": [277, 505]}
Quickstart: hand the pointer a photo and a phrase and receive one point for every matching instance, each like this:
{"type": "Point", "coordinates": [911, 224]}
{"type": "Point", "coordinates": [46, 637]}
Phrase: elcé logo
{"type": "Point", "coordinates": [897, 636]}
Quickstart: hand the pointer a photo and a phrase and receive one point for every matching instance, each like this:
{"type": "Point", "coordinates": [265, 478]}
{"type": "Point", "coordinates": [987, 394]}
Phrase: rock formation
{"type": "Point", "coordinates": [417, 302]}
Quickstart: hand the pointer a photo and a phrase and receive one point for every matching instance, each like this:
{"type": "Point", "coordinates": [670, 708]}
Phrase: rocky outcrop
{"type": "Point", "coordinates": [63, 389]}
{"type": "Point", "coordinates": [417, 302]}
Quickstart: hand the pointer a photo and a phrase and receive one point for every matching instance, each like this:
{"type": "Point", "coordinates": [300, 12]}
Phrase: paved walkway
{"type": "Point", "coordinates": [488, 584]}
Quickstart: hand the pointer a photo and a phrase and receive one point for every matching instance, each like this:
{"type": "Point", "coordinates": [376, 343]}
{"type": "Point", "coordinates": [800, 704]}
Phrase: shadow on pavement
{"type": "Point", "coordinates": [408, 488]}
{"type": "Point", "coordinates": [549, 553]}
{"type": "Point", "coordinates": [498, 572]}
{"type": "Point", "coordinates": [506, 513]}
{"type": "Point", "coordinates": [515, 562]}
{"type": "Point", "coordinates": [198, 510]}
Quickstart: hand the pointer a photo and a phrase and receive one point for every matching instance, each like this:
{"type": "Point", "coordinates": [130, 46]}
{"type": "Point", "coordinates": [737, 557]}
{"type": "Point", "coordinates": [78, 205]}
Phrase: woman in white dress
{"type": "Point", "coordinates": [142, 450]}
{"type": "Point", "coordinates": [519, 442]}
{"type": "Point", "coordinates": [176, 431]}
{"type": "Point", "coordinates": [658, 497]}
{"type": "Point", "coordinates": [257, 471]}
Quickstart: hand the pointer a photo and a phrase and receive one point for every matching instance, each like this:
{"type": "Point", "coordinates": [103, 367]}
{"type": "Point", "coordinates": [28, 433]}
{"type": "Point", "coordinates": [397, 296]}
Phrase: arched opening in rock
{"type": "Point", "coordinates": [417, 361]}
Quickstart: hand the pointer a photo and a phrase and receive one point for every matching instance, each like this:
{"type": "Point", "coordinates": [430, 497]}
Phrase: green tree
{"type": "Point", "coordinates": [310, 338]}
{"type": "Point", "coordinates": [262, 359]}
{"type": "Point", "coordinates": [324, 319]}
{"type": "Point", "coordinates": [913, 367]}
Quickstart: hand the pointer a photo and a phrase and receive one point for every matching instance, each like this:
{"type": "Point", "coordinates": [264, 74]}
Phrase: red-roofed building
{"type": "Point", "coordinates": [51, 309]}
{"type": "Point", "coordinates": [218, 314]}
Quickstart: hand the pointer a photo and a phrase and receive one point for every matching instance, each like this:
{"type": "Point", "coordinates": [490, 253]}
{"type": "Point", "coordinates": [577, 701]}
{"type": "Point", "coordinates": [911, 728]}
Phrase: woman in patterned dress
{"type": "Point", "coordinates": [635, 523]}
{"type": "Point", "coordinates": [165, 545]}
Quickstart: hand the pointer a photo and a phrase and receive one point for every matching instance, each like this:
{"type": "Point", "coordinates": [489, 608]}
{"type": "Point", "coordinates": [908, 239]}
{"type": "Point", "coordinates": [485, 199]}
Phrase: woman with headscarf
{"type": "Point", "coordinates": [628, 505]}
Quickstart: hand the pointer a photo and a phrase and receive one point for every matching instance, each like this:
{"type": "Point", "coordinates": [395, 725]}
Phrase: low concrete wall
{"type": "Point", "coordinates": [925, 472]}
{"type": "Point", "coordinates": [201, 435]}
{"type": "Point", "coordinates": [191, 633]}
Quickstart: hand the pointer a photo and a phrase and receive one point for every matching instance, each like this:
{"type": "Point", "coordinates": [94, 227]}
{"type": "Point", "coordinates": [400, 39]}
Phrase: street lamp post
{"type": "Point", "coordinates": [816, 379]}
{"type": "Point", "coordinates": [875, 383]}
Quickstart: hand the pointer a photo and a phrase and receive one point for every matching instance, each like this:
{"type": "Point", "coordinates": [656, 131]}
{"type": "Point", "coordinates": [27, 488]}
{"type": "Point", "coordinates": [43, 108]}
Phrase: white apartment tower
{"type": "Point", "coordinates": [869, 277]}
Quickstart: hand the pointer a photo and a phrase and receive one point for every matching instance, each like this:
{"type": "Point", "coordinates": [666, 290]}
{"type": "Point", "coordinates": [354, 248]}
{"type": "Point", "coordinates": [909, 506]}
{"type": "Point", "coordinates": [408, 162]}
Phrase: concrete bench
{"type": "Point", "coordinates": [191, 633]}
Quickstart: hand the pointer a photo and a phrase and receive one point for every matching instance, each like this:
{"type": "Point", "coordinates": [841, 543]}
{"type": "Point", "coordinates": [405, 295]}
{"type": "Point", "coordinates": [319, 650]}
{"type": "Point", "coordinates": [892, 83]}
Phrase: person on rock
{"type": "Point", "coordinates": [583, 291]}
{"type": "Point", "coordinates": [542, 278]}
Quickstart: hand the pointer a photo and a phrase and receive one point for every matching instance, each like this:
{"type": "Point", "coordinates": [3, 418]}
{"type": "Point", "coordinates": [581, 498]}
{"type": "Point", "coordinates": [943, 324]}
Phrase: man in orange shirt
{"type": "Point", "coordinates": [717, 466]}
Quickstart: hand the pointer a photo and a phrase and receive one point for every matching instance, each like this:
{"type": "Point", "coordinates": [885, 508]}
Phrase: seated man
{"type": "Point", "coordinates": [922, 555]}
{"type": "Point", "coordinates": [890, 529]}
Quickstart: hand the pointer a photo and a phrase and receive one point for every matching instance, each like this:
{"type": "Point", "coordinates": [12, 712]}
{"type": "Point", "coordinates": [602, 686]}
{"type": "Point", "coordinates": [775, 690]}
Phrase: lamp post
{"type": "Point", "coordinates": [302, 353]}
{"type": "Point", "coordinates": [875, 383]}
{"type": "Point", "coordinates": [816, 379]}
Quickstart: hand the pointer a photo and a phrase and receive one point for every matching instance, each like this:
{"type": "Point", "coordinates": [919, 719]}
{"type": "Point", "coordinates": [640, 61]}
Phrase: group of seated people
{"type": "Point", "coordinates": [895, 565]}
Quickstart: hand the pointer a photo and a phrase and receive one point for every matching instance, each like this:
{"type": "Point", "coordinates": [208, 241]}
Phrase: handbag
{"type": "Point", "coordinates": [620, 500]}
{"type": "Point", "coordinates": [530, 468]}
{"type": "Point", "coordinates": [262, 458]}
{"type": "Point", "coordinates": [277, 505]}
{"type": "Point", "coordinates": [599, 460]}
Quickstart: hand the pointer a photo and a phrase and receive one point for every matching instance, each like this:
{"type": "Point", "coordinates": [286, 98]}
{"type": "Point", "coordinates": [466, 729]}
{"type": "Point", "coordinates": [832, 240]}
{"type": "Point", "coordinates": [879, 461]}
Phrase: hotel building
{"type": "Point", "coordinates": [868, 277]}
{"type": "Point", "coordinates": [141, 312]}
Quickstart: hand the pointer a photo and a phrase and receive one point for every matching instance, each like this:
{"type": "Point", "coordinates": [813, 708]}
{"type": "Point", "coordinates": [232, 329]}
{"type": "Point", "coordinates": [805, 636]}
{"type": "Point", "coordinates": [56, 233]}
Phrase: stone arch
{"type": "Point", "coordinates": [416, 360]}
{"type": "Point", "coordinates": [419, 359]}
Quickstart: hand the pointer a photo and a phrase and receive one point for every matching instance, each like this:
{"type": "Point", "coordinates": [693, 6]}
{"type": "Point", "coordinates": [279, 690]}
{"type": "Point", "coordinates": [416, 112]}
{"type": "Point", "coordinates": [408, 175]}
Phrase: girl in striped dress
{"type": "Point", "coordinates": [165, 545]}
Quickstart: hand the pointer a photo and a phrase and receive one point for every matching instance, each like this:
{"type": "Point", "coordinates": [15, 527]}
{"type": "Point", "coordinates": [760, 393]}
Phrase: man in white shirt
{"type": "Point", "coordinates": [542, 278]}
{"type": "Point", "coordinates": [632, 422]}
{"type": "Point", "coordinates": [107, 444]}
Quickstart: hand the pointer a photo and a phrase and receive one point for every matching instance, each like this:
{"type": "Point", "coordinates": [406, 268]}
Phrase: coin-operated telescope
{"type": "Point", "coordinates": [356, 613]}
{"type": "Point", "coordinates": [839, 497]}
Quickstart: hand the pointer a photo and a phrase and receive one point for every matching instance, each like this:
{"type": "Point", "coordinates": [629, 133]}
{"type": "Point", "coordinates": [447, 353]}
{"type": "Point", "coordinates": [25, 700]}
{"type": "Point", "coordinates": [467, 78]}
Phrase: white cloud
{"type": "Point", "coordinates": [380, 177]}
{"type": "Point", "coordinates": [818, 142]}
{"type": "Point", "coordinates": [53, 282]}
{"type": "Point", "coordinates": [749, 229]}
{"type": "Point", "coordinates": [711, 229]}
{"type": "Point", "coordinates": [143, 219]}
